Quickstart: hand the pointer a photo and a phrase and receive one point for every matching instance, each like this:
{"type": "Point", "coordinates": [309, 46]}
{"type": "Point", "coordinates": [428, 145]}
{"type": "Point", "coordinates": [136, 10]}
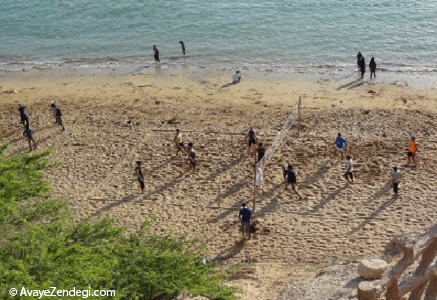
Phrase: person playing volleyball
{"type": "Point", "coordinates": [340, 145]}
{"type": "Point", "coordinates": [412, 151]}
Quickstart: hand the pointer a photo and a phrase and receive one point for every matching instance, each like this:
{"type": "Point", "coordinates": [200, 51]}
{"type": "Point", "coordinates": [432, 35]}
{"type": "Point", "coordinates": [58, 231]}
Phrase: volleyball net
{"type": "Point", "coordinates": [281, 136]}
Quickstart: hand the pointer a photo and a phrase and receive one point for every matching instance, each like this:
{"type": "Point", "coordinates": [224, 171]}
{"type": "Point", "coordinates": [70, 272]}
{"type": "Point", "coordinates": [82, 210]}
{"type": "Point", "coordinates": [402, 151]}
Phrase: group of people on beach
{"type": "Point", "coordinates": [28, 132]}
{"type": "Point", "coordinates": [361, 62]}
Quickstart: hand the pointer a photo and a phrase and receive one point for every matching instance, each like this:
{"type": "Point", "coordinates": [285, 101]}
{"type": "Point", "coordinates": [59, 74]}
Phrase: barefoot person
{"type": "Point", "coordinates": [340, 145]}
{"type": "Point", "coordinates": [53, 108]}
{"type": "Point", "coordinates": [285, 171]}
{"type": "Point", "coordinates": [395, 179]}
{"type": "Point", "coordinates": [179, 143]}
{"type": "Point", "coordinates": [28, 133]}
{"type": "Point", "coordinates": [258, 177]}
{"type": "Point", "coordinates": [59, 119]}
{"type": "Point", "coordinates": [359, 55]}
{"type": "Point", "coordinates": [372, 67]}
{"type": "Point", "coordinates": [192, 157]}
{"type": "Point", "coordinates": [236, 77]}
{"type": "Point", "coordinates": [140, 176]}
{"type": "Point", "coordinates": [349, 170]}
{"type": "Point", "coordinates": [292, 180]}
{"type": "Point", "coordinates": [412, 151]}
{"type": "Point", "coordinates": [362, 64]}
{"type": "Point", "coordinates": [183, 46]}
{"type": "Point", "coordinates": [246, 218]}
{"type": "Point", "coordinates": [23, 116]}
{"type": "Point", "coordinates": [251, 136]}
{"type": "Point", "coordinates": [261, 151]}
{"type": "Point", "coordinates": [156, 53]}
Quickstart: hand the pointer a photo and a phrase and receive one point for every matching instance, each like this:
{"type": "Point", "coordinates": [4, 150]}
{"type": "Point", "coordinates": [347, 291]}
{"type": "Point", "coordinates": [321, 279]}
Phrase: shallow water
{"type": "Point", "coordinates": [400, 34]}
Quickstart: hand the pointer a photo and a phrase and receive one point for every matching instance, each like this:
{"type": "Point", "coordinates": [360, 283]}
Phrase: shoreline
{"type": "Point", "coordinates": [386, 74]}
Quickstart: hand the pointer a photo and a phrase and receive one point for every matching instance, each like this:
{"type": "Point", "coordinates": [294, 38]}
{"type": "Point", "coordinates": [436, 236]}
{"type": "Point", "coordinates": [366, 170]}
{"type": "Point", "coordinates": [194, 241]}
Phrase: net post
{"type": "Point", "coordinates": [254, 187]}
{"type": "Point", "coordinates": [298, 116]}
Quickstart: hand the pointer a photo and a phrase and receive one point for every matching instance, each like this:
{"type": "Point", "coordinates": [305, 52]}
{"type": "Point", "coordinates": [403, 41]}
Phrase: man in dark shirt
{"type": "Point", "coordinates": [251, 136]}
{"type": "Point", "coordinates": [246, 217]}
{"type": "Point", "coordinates": [28, 133]}
{"type": "Point", "coordinates": [261, 151]}
{"type": "Point", "coordinates": [192, 157]}
{"type": "Point", "coordinates": [292, 180]}
{"type": "Point", "coordinates": [59, 119]}
{"type": "Point", "coordinates": [183, 46]}
{"type": "Point", "coordinates": [23, 116]}
{"type": "Point", "coordinates": [140, 176]}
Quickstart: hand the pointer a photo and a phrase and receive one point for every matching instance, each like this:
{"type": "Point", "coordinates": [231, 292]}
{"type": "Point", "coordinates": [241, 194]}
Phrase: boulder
{"type": "Point", "coordinates": [372, 268]}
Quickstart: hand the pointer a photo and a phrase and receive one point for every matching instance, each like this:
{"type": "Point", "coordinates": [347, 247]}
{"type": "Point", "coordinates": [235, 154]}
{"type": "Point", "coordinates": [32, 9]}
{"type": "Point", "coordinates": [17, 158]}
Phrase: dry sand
{"type": "Point", "coordinates": [114, 120]}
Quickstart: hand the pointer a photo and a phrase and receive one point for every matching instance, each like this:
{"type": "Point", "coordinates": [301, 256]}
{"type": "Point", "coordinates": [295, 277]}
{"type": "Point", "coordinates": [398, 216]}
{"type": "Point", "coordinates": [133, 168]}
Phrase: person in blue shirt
{"type": "Point", "coordinates": [246, 217]}
{"type": "Point", "coordinates": [340, 145]}
{"type": "Point", "coordinates": [292, 180]}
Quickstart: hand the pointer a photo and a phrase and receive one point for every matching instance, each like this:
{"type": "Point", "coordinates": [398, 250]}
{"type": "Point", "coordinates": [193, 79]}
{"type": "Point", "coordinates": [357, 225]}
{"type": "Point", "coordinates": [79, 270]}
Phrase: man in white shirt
{"type": "Point", "coordinates": [259, 176]}
{"type": "Point", "coordinates": [395, 179]}
{"type": "Point", "coordinates": [349, 170]}
{"type": "Point", "coordinates": [236, 77]}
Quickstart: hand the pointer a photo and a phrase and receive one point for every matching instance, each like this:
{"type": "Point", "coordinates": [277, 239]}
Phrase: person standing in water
{"type": "Point", "coordinates": [183, 46]}
{"type": "Point", "coordinates": [156, 53]}
{"type": "Point", "coordinates": [362, 66]}
{"type": "Point", "coordinates": [372, 67]}
{"type": "Point", "coordinates": [359, 55]}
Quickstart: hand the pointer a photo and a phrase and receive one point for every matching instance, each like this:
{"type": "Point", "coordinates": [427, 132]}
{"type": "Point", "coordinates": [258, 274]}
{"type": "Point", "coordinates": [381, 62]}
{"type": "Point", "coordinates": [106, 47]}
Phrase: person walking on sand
{"type": "Point", "coordinates": [53, 108]}
{"type": "Point", "coordinates": [28, 133]}
{"type": "Point", "coordinates": [372, 67]}
{"type": "Point", "coordinates": [156, 53]}
{"type": "Point", "coordinates": [261, 151]}
{"type": "Point", "coordinates": [412, 151]}
{"type": "Point", "coordinates": [251, 136]}
{"type": "Point", "coordinates": [59, 119]}
{"type": "Point", "coordinates": [183, 46]}
{"type": "Point", "coordinates": [192, 157]}
{"type": "Point", "coordinates": [395, 180]}
{"type": "Point", "coordinates": [362, 66]}
{"type": "Point", "coordinates": [292, 180]}
{"type": "Point", "coordinates": [246, 218]}
{"type": "Point", "coordinates": [340, 145]}
{"type": "Point", "coordinates": [140, 176]}
{"type": "Point", "coordinates": [236, 77]}
{"type": "Point", "coordinates": [179, 143]}
{"type": "Point", "coordinates": [349, 170]}
{"type": "Point", "coordinates": [23, 116]}
{"type": "Point", "coordinates": [258, 177]}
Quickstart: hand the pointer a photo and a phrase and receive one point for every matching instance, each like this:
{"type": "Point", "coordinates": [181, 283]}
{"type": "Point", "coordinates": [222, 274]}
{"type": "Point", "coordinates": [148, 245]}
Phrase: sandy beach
{"type": "Point", "coordinates": [113, 120]}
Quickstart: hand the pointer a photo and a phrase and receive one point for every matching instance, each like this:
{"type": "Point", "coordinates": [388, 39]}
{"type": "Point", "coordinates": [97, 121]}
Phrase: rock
{"type": "Point", "coordinates": [366, 112]}
{"type": "Point", "coordinates": [371, 268]}
{"type": "Point", "coordinates": [157, 102]}
{"type": "Point", "coordinates": [366, 291]}
{"type": "Point", "coordinates": [384, 134]}
{"type": "Point", "coordinates": [372, 92]}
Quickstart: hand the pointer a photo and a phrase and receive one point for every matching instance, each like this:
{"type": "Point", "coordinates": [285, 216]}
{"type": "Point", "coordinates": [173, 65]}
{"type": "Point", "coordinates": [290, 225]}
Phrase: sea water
{"type": "Point", "coordinates": [400, 34]}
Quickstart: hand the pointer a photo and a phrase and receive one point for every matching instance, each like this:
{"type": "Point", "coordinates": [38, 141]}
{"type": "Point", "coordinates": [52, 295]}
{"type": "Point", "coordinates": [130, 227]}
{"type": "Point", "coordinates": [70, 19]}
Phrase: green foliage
{"type": "Point", "coordinates": [41, 247]}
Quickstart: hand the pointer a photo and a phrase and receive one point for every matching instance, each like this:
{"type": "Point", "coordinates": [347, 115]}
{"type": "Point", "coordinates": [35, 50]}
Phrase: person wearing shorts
{"type": "Point", "coordinates": [251, 136]}
{"type": "Point", "coordinates": [192, 157]}
{"type": "Point", "coordinates": [179, 143]}
{"type": "Point", "coordinates": [340, 145]}
{"type": "Point", "coordinates": [246, 218]}
{"type": "Point", "coordinates": [349, 170]}
{"type": "Point", "coordinates": [412, 151]}
{"type": "Point", "coordinates": [292, 180]}
{"type": "Point", "coordinates": [285, 171]}
{"type": "Point", "coordinates": [28, 133]}
{"type": "Point", "coordinates": [140, 176]}
{"type": "Point", "coordinates": [395, 180]}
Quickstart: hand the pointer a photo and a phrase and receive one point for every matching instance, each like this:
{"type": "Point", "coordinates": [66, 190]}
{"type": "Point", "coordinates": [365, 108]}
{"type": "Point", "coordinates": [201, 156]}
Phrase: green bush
{"type": "Point", "coordinates": [41, 247]}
